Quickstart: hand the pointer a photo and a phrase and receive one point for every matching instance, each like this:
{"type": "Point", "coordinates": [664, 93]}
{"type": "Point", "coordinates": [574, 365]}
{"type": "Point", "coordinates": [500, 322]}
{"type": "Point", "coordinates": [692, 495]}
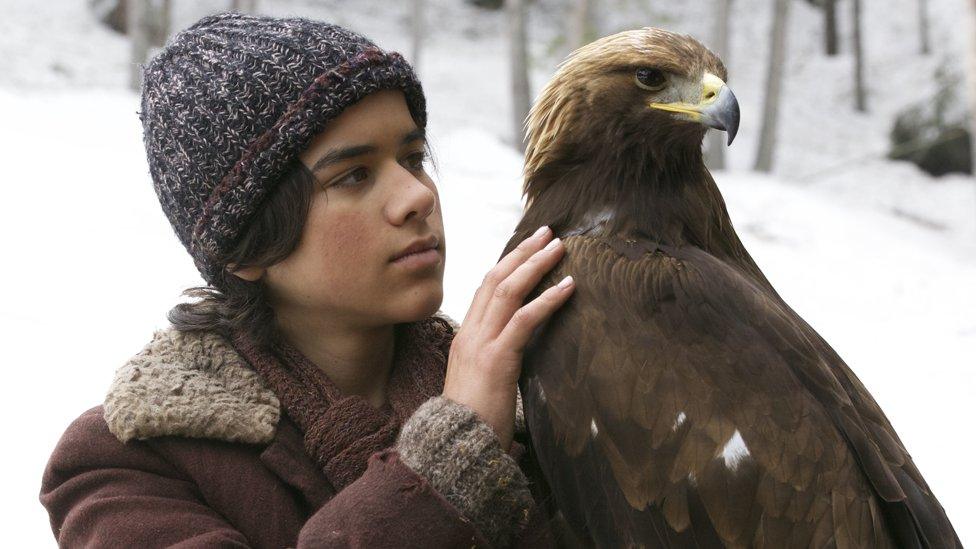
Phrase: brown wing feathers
{"type": "Point", "coordinates": [700, 412]}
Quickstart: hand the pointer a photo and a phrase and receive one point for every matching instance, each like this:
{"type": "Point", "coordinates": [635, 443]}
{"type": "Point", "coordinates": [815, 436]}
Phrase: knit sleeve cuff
{"type": "Point", "coordinates": [459, 455]}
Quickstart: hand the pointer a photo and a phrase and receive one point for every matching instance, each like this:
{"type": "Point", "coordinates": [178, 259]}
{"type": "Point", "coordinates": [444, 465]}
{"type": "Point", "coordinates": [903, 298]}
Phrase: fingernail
{"type": "Point", "coordinates": [552, 244]}
{"type": "Point", "coordinates": [565, 283]}
{"type": "Point", "coordinates": [541, 231]}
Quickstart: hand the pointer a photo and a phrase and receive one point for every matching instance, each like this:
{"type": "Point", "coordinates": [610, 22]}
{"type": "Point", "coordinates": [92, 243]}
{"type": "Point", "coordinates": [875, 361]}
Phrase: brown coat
{"type": "Point", "coordinates": [190, 449]}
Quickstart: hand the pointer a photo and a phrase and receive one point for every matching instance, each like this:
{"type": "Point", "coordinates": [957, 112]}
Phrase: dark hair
{"type": "Point", "coordinates": [235, 304]}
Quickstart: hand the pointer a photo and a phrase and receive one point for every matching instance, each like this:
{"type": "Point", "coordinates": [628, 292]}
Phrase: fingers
{"type": "Point", "coordinates": [503, 269]}
{"type": "Point", "coordinates": [525, 320]}
{"type": "Point", "coordinates": [509, 294]}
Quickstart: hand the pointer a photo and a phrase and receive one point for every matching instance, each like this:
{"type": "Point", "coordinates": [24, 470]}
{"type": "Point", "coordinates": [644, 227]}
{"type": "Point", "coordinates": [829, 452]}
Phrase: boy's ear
{"type": "Point", "coordinates": [249, 274]}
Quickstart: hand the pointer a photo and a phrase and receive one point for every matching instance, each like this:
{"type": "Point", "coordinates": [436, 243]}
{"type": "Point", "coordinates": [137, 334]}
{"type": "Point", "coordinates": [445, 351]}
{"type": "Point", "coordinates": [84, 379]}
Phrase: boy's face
{"type": "Point", "coordinates": [373, 199]}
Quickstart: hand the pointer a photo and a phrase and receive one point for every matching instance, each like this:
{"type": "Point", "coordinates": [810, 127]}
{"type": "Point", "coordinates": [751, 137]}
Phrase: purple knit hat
{"type": "Point", "coordinates": [233, 99]}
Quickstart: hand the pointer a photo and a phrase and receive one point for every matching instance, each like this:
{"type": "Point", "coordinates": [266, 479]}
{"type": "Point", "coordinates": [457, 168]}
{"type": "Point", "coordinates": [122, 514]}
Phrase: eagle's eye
{"type": "Point", "coordinates": [651, 79]}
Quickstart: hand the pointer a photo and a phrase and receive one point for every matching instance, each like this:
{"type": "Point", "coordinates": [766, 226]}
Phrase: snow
{"type": "Point", "coordinates": [875, 255]}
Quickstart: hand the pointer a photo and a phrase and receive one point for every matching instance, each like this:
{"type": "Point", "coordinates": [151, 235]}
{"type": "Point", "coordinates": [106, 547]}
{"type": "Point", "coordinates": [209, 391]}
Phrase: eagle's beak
{"type": "Point", "coordinates": [717, 108]}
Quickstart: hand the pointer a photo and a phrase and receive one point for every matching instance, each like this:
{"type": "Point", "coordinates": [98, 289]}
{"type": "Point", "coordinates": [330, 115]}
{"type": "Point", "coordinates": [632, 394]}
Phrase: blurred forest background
{"type": "Point", "coordinates": [851, 182]}
{"type": "Point", "coordinates": [933, 132]}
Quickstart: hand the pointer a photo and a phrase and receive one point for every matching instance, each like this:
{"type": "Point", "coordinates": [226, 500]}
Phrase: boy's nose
{"type": "Point", "coordinates": [410, 198]}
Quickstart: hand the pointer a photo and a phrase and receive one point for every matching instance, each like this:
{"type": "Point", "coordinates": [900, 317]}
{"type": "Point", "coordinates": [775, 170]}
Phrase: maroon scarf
{"type": "Point", "coordinates": [341, 432]}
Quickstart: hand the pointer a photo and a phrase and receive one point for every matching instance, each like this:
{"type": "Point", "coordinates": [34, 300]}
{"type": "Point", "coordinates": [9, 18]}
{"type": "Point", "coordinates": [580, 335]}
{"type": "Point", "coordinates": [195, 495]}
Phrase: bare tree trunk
{"type": "Point", "coordinates": [416, 32]}
{"type": "Point", "coordinates": [161, 16]}
{"type": "Point", "coordinates": [519, 64]}
{"type": "Point", "coordinates": [646, 7]}
{"type": "Point", "coordinates": [925, 45]}
{"type": "Point", "coordinates": [110, 13]}
{"type": "Point", "coordinates": [244, 6]}
{"type": "Point", "coordinates": [166, 17]}
{"type": "Point", "coordinates": [830, 26]}
{"type": "Point", "coordinates": [860, 95]}
{"type": "Point", "coordinates": [774, 83]}
{"type": "Point", "coordinates": [139, 27]}
{"type": "Point", "coordinates": [578, 25]}
{"type": "Point", "coordinates": [715, 145]}
{"type": "Point", "coordinates": [972, 82]}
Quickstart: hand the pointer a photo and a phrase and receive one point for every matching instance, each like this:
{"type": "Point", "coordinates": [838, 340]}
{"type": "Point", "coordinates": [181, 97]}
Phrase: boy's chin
{"type": "Point", "coordinates": [423, 305]}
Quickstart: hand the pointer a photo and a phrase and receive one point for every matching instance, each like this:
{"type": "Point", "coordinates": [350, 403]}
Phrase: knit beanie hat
{"type": "Point", "coordinates": [231, 101]}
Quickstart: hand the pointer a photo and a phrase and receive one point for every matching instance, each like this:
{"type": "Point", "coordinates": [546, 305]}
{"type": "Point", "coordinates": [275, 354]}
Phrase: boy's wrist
{"type": "Point", "coordinates": [449, 445]}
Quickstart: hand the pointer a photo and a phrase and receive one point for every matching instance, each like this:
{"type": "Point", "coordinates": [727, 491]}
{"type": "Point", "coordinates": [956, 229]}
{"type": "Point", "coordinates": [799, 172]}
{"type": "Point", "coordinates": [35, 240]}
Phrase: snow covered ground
{"type": "Point", "coordinates": [875, 255]}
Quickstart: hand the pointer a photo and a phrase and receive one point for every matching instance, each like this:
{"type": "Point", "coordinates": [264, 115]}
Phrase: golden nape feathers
{"type": "Point", "coordinates": [592, 71]}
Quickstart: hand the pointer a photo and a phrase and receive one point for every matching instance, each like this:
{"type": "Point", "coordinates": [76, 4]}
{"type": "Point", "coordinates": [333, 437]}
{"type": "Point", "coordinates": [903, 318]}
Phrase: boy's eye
{"type": "Point", "coordinates": [417, 160]}
{"type": "Point", "coordinates": [352, 178]}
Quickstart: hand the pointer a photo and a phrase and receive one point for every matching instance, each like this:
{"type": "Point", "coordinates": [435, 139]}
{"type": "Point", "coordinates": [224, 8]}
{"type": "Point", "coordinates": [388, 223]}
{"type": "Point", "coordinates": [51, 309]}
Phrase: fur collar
{"type": "Point", "coordinates": [195, 384]}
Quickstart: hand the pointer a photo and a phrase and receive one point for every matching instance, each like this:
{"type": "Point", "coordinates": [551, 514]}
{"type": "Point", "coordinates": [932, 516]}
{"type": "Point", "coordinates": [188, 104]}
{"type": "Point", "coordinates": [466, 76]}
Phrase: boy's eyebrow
{"type": "Point", "coordinates": [338, 155]}
{"type": "Point", "coordinates": [418, 134]}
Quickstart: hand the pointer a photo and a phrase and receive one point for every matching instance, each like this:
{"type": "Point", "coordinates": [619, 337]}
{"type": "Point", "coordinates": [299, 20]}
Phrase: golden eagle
{"type": "Point", "coordinates": [676, 400]}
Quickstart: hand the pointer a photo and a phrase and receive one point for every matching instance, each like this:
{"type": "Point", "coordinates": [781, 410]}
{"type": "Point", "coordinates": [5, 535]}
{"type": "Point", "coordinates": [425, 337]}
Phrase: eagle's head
{"type": "Point", "coordinates": [644, 89]}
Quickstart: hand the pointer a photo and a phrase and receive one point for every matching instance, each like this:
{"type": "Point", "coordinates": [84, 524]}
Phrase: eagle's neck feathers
{"type": "Point", "coordinates": [635, 191]}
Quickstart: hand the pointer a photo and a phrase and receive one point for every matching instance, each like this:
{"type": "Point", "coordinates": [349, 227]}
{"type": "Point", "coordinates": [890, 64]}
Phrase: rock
{"type": "Point", "coordinates": [487, 4]}
{"type": "Point", "coordinates": [934, 133]}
